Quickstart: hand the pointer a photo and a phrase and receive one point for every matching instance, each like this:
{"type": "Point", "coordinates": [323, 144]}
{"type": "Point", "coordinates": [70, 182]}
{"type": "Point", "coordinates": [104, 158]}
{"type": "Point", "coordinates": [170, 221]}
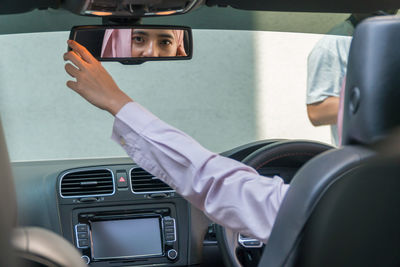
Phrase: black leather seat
{"type": "Point", "coordinates": [342, 208]}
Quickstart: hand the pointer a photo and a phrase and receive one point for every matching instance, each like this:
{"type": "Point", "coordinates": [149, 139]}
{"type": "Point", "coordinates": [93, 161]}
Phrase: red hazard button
{"type": "Point", "coordinates": [122, 181]}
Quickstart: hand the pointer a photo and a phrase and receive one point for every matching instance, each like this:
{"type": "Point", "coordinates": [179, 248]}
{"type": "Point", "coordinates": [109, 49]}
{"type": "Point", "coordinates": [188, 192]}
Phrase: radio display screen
{"type": "Point", "coordinates": [126, 238]}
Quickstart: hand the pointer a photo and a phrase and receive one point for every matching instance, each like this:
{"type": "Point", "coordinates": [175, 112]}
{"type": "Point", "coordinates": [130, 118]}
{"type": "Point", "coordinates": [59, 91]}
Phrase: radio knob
{"type": "Point", "coordinates": [86, 259]}
{"type": "Point", "coordinates": [172, 254]}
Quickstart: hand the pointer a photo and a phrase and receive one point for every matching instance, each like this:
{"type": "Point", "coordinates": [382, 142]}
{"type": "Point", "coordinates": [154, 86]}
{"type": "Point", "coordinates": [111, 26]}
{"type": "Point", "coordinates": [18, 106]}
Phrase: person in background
{"type": "Point", "coordinates": [326, 70]}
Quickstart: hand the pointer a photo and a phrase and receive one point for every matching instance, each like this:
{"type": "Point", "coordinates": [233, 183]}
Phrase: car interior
{"type": "Point", "coordinates": [93, 207]}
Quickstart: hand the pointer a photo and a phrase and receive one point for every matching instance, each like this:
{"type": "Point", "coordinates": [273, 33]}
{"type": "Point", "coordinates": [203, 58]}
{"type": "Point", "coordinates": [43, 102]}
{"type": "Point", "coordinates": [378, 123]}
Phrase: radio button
{"type": "Point", "coordinates": [81, 228]}
{"type": "Point", "coordinates": [169, 230]}
{"type": "Point", "coordinates": [170, 237]}
{"type": "Point", "coordinates": [168, 223]}
{"type": "Point", "coordinates": [82, 235]}
{"type": "Point", "coordinates": [172, 254]}
{"type": "Point", "coordinates": [83, 243]}
{"type": "Point", "coordinates": [86, 259]}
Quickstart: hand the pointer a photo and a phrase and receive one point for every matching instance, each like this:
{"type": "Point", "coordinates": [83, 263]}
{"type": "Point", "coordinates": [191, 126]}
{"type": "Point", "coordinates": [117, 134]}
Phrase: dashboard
{"type": "Point", "coordinates": [103, 208]}
{"type": "Point", "coordinates": [114, 212]}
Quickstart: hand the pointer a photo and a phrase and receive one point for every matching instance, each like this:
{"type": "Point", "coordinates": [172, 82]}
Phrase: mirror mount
{"type": "Point", "coordinates": [132, 62]}
{"type": "Point", "coordinates": [123, 21]}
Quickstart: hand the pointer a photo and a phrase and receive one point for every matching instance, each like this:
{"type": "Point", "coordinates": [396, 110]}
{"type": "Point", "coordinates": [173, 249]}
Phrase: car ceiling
{"type": "Point", "coordinates": [339, 6]}
{"type": "Point", "coordinates": [202, 18]}
{"type": "Point", "coordinates": [27, 16]}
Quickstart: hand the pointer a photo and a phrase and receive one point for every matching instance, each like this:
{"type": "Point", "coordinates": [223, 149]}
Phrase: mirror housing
{"type": "Point", "coordinates": [135, 44]}
{"type": "Point", "coordinates": [131, 8]}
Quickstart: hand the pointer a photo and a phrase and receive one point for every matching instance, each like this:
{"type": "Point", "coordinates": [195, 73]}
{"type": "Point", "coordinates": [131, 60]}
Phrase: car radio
{"type": "Point", "coordinates": [126, 235]}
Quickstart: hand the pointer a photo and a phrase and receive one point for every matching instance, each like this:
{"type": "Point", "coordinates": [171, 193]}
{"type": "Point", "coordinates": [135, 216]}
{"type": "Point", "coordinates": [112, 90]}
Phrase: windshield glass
{"type": "Point", "coordinates": [240, 87]}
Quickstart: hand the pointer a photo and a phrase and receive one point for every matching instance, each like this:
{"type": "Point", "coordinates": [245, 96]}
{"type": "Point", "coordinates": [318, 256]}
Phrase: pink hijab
{"type": "Point", "coordinates": [118, 42]}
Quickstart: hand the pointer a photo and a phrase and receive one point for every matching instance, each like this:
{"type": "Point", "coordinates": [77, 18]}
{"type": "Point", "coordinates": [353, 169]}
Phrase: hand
{"type": "Point", "coordinates": [181, 52]}
{"type": "Point", "coordinates": [93, 82]}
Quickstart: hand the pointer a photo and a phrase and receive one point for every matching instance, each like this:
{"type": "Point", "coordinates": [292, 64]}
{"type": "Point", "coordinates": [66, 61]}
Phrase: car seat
{"type": "Point", "coordinates": [342, 208]}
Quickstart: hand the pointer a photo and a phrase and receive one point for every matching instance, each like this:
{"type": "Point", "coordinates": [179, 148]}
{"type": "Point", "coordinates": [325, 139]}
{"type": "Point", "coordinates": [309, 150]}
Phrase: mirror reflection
{"type": "Point", "coordinates": [139, 42]}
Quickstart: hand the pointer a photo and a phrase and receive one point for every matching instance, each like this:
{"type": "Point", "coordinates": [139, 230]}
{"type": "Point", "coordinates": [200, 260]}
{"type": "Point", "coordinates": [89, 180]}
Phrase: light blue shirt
{"type": "Point", "coordinates": [327, 65]}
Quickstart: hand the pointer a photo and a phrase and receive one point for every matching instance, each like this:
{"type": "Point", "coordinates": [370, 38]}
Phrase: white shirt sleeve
{"type": "Point", "coordinates": [227, 191]}
{"type": "Point", "coordinates": [326, 67]}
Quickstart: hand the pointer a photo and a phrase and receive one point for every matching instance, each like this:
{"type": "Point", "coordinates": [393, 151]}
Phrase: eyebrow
{"type": "Point", "coordinates": [163, 35]}
{"type": "Point", "coordinates": [139, 32]}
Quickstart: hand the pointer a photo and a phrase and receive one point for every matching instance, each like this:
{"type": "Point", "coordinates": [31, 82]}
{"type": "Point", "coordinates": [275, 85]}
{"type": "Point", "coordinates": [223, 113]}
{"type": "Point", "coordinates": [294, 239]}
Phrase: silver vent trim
{"type": "Point", "coordinates": [170, 190]}
{"type": "Point", "coordinates": [87, 195]}
{"type": "Point", "coordinates": [249, 242]}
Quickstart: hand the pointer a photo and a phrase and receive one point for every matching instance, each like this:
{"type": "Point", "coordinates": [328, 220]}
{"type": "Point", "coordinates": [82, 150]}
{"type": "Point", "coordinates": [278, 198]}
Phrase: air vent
{"type": "Point", "coordinates": [143, 182]}
{"type": "Point", "coordinates": [87, 183]}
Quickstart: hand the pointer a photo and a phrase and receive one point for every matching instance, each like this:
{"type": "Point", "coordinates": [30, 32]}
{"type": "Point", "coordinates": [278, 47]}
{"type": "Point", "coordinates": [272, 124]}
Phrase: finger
{"type": "Point", "coordinates": [73, 85]}
{"type": "Point", "coordinates": [85, 54]}
{"type": "Point", "coordinates": [74, 58]}
{"type": "Point", "coordinates": [71, 70]}
{"type": "Point", "coordinates": [181, 52]}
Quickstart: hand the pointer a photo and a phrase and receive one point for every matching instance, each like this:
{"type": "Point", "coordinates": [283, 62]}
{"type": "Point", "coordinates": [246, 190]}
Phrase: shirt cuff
{"type": "Point", "coordinates": [319, 98]}
{"type": "Point", "coordinates": [135, 116]}
{"type": "Point", "coordinates": [132, 117]}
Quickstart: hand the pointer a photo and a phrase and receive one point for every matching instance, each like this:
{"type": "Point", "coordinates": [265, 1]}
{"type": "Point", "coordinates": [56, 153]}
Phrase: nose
{"type": "Point", "coordinates": [151, 50]}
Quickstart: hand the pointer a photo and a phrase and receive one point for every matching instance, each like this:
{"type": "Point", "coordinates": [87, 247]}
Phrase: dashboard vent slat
{"type": "Point", "coordinates": [143, 182]}
{"type": "Point", "coordinates": [87, 183]}
{"type": "Point", "coordinates": [88, 179]}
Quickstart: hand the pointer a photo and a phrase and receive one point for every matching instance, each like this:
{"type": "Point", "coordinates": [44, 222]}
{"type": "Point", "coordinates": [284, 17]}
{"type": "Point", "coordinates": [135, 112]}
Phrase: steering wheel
{"type": "Point", "coordinates": [288, 154]}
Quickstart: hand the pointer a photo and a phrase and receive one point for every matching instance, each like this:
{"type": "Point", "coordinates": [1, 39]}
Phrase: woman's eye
{"type": "Point", "coordinates": [138, 39]}
{"type": "Point", "coordinates": [165, 42]}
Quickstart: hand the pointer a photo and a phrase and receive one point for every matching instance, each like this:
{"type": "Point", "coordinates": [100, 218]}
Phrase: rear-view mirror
{"type": "Point", "coordinates": [135, 44]}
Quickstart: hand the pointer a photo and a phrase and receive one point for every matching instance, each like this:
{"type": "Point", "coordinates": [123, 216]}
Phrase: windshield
{"type": "Point", "coordinates": [240, 87]}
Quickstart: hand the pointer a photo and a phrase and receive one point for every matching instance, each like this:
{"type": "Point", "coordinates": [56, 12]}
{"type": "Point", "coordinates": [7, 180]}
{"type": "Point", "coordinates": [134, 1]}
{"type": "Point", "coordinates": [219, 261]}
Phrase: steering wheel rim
{"type": "Point", "coordinates": [293, 153]}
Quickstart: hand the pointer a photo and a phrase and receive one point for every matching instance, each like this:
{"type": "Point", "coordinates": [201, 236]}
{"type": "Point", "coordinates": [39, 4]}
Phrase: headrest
{"type": "Point", "coordinates": [371, 108]}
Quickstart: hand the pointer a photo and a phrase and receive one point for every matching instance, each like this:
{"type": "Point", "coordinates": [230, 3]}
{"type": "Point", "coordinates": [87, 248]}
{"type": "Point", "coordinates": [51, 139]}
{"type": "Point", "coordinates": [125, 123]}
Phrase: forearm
{"type": "Point", "coordinates": [229, 192]}
{"type": "Point", "coordinates": [325, 112]}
